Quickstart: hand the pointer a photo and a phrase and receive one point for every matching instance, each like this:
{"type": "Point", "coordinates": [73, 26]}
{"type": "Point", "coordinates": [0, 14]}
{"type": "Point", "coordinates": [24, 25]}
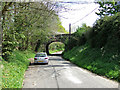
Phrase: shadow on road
{"type": "Point", "coordinates": [45, 65]}
{"type": "Point", "coordinates": [54, 54]}
{"type": "Point", "coordinates": [62, 63]}
{"type": "Point", "coordinates": [56, 59]}
{"type": "Point", "coordinates": [37, 64]}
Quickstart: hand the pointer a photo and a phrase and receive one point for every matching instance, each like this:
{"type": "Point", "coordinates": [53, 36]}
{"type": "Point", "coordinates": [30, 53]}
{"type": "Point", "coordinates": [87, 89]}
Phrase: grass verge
{"type": "Point", "coordinates": [105, 63]}
{"type": "Point", "coordinates": [0, 73]}
{"type": "Point", "coordinates": [14, 69]}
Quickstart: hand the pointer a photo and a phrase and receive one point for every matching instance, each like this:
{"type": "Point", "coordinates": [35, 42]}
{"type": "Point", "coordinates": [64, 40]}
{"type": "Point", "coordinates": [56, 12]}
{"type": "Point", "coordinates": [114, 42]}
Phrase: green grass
{"type": "Point", "coordinates": [0, 74]}
{"type": "Point", "coordinates": [53, 51]}
{"type": "Point", "coordinates": [93, 59]}
{"type": "Point", "coordinates": [14, 69]}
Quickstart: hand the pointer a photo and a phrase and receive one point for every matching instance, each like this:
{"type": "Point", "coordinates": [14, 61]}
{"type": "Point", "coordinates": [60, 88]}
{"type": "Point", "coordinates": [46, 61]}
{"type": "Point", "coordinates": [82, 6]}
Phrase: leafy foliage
{"type": "Point", "coordinates": [107, 29]}
{"type": "Point", "coordinates": [108, 8]}
{"type": "Point", "coordinates": [56, 46]}
{"type": "Point", "coordinates": [80, 37]}
{"type": "Point", "coordinates": [24, 24]}
{"type": "Point", "coordinates": [103, 33]}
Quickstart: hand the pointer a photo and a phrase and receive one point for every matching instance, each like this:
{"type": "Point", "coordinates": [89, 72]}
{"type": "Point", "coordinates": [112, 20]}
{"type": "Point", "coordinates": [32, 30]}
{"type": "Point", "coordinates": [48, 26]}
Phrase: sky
{"type": "Point", "coordinates": [80, 12]}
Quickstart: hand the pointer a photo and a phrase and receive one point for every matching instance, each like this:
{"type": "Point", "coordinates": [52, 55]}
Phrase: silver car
{"type": "Point", "coordinates": [41, 58]}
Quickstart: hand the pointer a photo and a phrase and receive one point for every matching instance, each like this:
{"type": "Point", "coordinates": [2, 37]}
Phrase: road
{"type": "Point", "coordinates": [60, 73]}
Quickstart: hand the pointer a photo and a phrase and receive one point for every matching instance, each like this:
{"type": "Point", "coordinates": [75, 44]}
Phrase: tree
{"type": "Point", "coordinates": [108, 8]}
{"type": "Point", "coordinates": [24, 24]}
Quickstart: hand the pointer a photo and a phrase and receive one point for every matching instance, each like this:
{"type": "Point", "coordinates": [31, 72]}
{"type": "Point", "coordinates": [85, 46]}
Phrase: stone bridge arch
{"type": "Point", "coordinates": [47, 46]}
{"type": "Point", "coordinates": [57, 38]}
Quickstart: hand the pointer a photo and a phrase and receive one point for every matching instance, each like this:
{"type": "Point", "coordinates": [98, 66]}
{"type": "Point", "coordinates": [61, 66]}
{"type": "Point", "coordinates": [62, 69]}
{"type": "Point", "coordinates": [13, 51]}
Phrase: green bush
{"type": "Point", "coordinates": [79, 37]}
{"type": "Point", "coordinates": [107, 28]}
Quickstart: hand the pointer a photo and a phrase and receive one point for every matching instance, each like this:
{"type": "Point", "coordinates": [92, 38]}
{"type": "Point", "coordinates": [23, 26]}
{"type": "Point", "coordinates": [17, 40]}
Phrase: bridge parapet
{"type": "Point", "coordinates": [59, 37]}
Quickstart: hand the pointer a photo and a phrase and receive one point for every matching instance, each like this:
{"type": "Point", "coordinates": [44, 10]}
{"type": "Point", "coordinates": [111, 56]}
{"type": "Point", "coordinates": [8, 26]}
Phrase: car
{"type": "Point", "coordinates": [41, 58]}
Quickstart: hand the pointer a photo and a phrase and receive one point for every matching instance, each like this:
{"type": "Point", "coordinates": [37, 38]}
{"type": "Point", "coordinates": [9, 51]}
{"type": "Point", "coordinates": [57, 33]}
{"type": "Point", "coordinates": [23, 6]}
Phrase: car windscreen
{"type": "Point", "coordinates": [40, 55]}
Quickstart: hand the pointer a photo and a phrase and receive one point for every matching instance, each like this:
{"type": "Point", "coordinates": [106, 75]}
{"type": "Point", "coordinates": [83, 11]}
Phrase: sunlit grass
{"type": "Point", "coordinates": [93, 60]}
{"type": "Point", "coordinates": [14, 69]}
{"type": "Point", "coordinates": [0, 73]}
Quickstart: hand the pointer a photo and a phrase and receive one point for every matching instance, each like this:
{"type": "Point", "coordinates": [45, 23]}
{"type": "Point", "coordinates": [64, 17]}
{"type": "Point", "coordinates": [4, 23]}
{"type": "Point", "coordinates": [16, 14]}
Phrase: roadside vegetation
{"type": "Point", "coordinates": [27, 27]}
{"type": "Point", "coordinates": [0, 73]}
{"type": "Point", "coordinates": [93, 59]}
{"type": "Point", "coordinates": [14, 69]}
{"type": "Point", "coordinates": [56, 47]}
{"type": "Point", "coordinates": [97, 48]}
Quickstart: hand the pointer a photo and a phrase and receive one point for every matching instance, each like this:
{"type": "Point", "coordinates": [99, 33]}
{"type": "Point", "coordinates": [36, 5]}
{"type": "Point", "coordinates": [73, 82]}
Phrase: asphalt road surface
{"type": "Point", "coordinates": [60, 73]}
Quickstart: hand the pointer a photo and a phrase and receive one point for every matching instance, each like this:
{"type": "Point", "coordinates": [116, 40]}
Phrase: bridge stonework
{"type": "Point", "coordinates": [57, 38]}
